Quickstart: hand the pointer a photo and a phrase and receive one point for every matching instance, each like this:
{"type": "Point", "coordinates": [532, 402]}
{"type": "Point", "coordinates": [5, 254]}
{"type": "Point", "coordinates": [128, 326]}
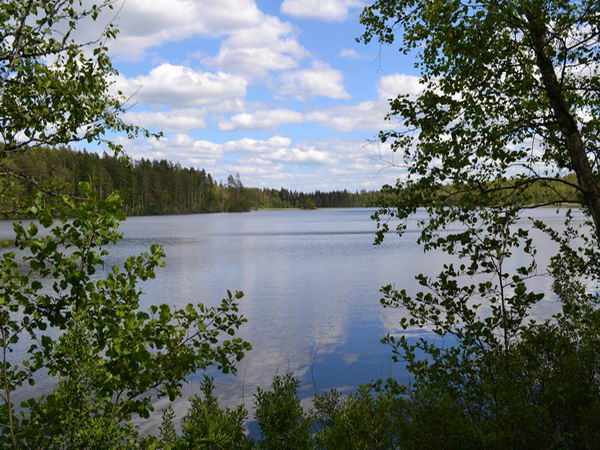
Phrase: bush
{"type": "Point", "coordinates": [371, 418]}
{"type": "Point", "coordinates": [110, 355]}
{"type": "Point", "coordinates": [207, 426]}
{"type": "Point", "coordinates": [282, 421]}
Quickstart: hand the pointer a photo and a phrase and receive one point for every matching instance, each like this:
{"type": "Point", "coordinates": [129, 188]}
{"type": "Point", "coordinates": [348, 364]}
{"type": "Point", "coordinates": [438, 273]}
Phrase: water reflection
{"type": "Point", "coordinates": [311, 281]}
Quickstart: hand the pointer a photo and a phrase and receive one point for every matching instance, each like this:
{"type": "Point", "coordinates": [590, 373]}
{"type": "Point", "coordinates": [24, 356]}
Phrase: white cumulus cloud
{"type": "Point", "coordinates": [334, 163]}
{"type": "Point", "coordinates": [174, 85]}
{"type": "Point", "coordinates": [301, 156]}
{"type": "Point", "coordinates": [268, 119]}
{"type": "Point", "coordinates": [179, 120]}
{"type": "Point", "coordinates": [257, 145]}
{"type": "Point", "coordinates": [320, 80]}
{"type": "Point", "coordinates": [327, 10]}
{"type": "Point", "coordinates": [367, 116]}
{"type": "Point", "coordinates": [352, 54]}
{"type": "Point", "coordinates": [255, 51]}
{"type": "Point", "coordinates": [144, 24]}
{"type": "Point", "coordinates": [364, 116]}
{"type": "Point", "coordinates": [390, 86]}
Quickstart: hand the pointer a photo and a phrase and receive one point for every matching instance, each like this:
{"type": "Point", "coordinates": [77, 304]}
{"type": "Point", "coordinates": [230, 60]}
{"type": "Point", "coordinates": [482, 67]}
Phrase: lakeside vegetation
{"type": "Point", "coordinates": [504, 85]}
{"type": "Point", "coordinates": [160, 187]}
{"type": "Point", "coordinates": [150, 187]}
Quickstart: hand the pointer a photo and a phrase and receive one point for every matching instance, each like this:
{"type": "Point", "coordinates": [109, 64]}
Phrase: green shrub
{"type": "Point", "coordinates": [367, 419]}
{"type": "Point", "coordinates": [282, 421]}
{"type": "Point", "coordinates": [207, 426]}
{"type": "Point", "coordinates": [109, 354]}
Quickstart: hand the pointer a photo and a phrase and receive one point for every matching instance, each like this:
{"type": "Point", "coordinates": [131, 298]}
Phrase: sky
{"type": "Point", "coordinates": [277, 91]}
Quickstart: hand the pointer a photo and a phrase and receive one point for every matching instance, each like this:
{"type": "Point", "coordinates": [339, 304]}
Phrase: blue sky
{"type": "Point", "coordinates": [278, 91]}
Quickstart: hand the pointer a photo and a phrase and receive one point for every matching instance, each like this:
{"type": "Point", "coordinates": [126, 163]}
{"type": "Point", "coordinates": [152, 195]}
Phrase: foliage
{"type": "Point", "coordinates": [508, 90]}
{"type": "Point", "coordinates": [109, 354]}
{"type": "Point", "coordinates": [390, 416]}
{"type": "Point", "coordinates": [153, 187]}
{"type": "Point", "coordinates": [206, 425]}
{"type": "Point", "coordinates": [371, 418]}
{"type": "Point", "coordinates": [282, 421]}
{"type": "Point", "coordinates": [367, 419]}
{"type": "Point", "coordinates": [508, 103]}
{"type": "Point", "coordinates": [551, 401]}
{"type": "Point", "coordinates": [167, 430]}
{"type": "Point", "coordinates": [54, 88]}
{"type": "Point", "coordinates": [161, 187]}
{"type": "Point", "coordinates": [309, 204]}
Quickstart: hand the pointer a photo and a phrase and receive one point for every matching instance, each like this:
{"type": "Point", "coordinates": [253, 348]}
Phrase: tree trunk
{"type": "Point", "coordinates": [568, 126]}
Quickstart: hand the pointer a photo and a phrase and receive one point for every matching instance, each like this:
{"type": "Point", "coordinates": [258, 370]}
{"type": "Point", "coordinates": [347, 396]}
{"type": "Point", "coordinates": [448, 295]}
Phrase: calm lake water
{"type": "Point", "coordinates": [311, 281]}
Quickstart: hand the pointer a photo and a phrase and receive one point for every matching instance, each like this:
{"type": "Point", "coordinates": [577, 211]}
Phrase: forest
{"type": "Point", "coordinates": [151, 187]}
{"type": "Point", "coordinates": [505, 118]}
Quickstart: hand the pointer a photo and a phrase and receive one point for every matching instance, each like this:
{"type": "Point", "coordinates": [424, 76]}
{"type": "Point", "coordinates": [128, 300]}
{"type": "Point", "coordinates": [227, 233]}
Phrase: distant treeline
{"type": "Point", "coordinates": [151, 187]}
{"type": "Point", "coordinates": [525, 191]}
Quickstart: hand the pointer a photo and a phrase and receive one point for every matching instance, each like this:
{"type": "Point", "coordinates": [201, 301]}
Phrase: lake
{"type": "Point", "coordinates": [311, 281]}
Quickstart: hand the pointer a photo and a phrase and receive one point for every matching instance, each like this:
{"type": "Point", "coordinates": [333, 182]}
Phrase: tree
{"type": "Point", "coordinates": [206, 425]}
{"type": "Point", "coordinates": [282, 421]}
{"type": "Point", "coordinates": [515, 82]}
{"type": "Point", "coordinates": [509, 103]}
{"type": "Point", "coordinates": [108, 353]}
{"type": "Point", "coordinates": [54, 88]}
